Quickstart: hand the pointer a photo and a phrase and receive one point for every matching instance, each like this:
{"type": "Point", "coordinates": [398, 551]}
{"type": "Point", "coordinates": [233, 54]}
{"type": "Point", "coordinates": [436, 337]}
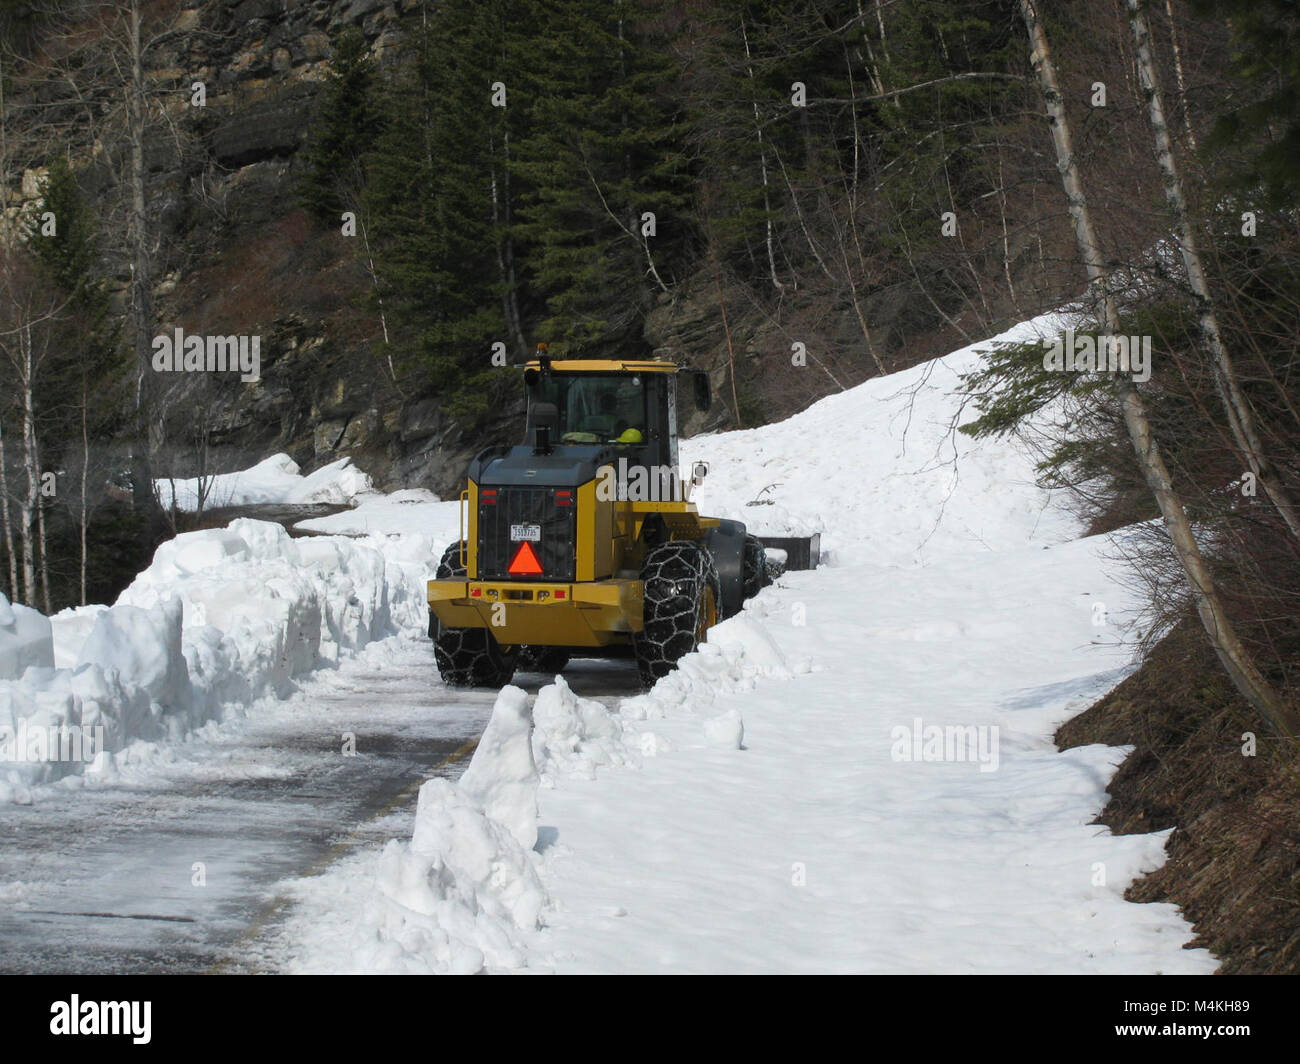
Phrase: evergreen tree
{"type": "Point", "coordinates": [738, 93]}
{"type": "Point", "coordinates": [437, 203]}
{"type": "Point", "coordinates": [63, 239]}
{"type": "Point", "coordinates": [936, 140]}
{"type": "Point", "coordinates": [1263, 122]}
{"type": "Point", "coordinates": [343, 130]}
{"type": "Point", "coordinates": [68, 248]}
{"type": "Point", "coordinates": [606, 145]}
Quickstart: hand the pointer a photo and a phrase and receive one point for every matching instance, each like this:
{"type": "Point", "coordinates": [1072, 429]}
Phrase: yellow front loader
{"type": "Point", "coordinates": [583, 539]}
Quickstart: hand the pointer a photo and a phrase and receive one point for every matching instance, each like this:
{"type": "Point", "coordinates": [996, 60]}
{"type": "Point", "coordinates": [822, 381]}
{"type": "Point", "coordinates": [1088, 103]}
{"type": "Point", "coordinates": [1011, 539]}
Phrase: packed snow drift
{"type": "Point", "coordinates": [881, 473]}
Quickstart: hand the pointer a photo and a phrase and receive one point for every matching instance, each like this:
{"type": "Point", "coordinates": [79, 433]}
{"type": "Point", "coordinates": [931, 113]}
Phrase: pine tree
{"type": "Point", "coordinates": [438, 205]}
{"type": "Point", "coordinates": [605, 148]}
{"type": "Point", "coordinates": [1260, 127]}
{"type": "Point", "coordinates": [78, 402]}
{"type": "Point", "coordinates": [68, 247]}
{"type": "Point", "coordinates": [343, 130]}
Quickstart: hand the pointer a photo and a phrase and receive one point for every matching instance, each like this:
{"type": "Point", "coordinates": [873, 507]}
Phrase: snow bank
{"type": "Point", "coordinates": [144, 645]}
{"type": "Point", "coordinates": [573, 737]}
{"type": "Point", "coordinates": [71, 629]}
{"type": "Point", "coordinates": [57, 723]}
{"type": "Point", "coordinates": [275, 480]}
{"type": "Point", "coordinates": [26, 639]}
{"type": "Point", "coordinates": [502, 777]}
{"type": "Point", "coordinates": [410, 528]}
{"type": "Point", "coordinates": [282, 607]}
{"type": "Point", "coordinates": [457, 897]}
{"type": "Point", "coordinates": [220, 619]}
{"type": "Point", "coordinates": [738, 656]}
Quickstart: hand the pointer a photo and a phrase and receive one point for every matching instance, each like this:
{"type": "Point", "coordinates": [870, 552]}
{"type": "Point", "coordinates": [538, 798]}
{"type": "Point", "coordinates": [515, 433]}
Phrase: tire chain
{"type": "Point", "coordinates": [466, 657]}
{"type": "Point", "coordinates": [674, 577]}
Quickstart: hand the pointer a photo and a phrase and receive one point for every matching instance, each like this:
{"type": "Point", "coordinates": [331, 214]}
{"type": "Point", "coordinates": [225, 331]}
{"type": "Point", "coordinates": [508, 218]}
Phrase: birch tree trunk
{"type": "Point", "coordinates": [84, 517]}
{"type": "Point", "coordinates": [4, 265]}
{"type": "Point", "coordinates": [43, 560]}
{"type": "Point", "coordinates": [513, 317]}
{"type": "Point", "coordinates": [9, 528]}
{"type": "Point", "coordinates": [1241, 419]}
{"type": "Point", "coordinates": [1179, 76]}
{"type": "Point", "coordinates": [31, 463]}
{"type": "Point", "coordinates": [762, 162]}
{"type": "Point", "coordinates": [141, 268]}
{"type": "Point", "coordinates": [1234, 657]}
{"type": "Point", "coordinates": [502, 220]}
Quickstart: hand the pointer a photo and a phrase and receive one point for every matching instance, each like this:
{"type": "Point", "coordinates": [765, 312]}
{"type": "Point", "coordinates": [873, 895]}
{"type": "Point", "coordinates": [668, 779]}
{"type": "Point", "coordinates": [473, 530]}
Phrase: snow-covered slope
{"type": "Point", "coordinates": [882, 473]}
{"type": "Point", "coordinates": [409, 512]}
{"type": "Point", "coordinates": [897, 805]}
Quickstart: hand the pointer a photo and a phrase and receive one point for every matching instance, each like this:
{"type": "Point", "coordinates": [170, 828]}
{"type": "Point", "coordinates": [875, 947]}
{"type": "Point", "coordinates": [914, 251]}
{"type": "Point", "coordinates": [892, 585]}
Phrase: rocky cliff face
{"type": "Point", "coordinates": [242, 259]}
{"type": "Point", "coordinates": [235, 87]}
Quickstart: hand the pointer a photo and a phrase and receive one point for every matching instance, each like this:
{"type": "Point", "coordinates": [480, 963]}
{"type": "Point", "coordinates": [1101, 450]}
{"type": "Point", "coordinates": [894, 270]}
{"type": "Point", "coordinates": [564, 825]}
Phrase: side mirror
{"type": "Point", "coordinates": [699, 472]}
{"type": "Point", "coordinates": [703, 393]}
{"type": "Point", "coordinates": [543, 420]}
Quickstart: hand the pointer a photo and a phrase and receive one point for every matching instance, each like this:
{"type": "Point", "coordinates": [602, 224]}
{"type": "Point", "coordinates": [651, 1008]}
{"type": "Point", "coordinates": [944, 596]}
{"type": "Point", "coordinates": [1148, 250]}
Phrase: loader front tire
{"type": "Point", "coordinates": [681, 595]}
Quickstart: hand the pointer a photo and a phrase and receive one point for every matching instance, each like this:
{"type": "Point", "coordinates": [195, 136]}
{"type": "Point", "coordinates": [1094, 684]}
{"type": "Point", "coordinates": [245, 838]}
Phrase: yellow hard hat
{"type": "Point", "coordinates": [630, 436]}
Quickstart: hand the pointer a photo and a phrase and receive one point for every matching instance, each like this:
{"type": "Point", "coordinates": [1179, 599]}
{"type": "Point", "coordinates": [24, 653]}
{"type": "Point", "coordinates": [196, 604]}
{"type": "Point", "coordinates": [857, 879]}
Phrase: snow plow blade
{"type": "Point", "coordinates": [801, 552]}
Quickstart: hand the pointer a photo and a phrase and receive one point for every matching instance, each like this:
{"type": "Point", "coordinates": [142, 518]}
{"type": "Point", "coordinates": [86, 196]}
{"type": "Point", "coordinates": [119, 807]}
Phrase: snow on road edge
{"type": "Point", "coordinates": [220, 620]}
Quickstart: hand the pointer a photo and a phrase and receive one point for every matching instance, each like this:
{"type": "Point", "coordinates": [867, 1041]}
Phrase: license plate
{"type": "Point", "coordinates": [520, 533]}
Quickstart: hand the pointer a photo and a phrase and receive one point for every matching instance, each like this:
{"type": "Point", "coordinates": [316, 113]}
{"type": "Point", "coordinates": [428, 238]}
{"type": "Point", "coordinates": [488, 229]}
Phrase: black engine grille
{"type": "Point", "coordinates": [526, 506]}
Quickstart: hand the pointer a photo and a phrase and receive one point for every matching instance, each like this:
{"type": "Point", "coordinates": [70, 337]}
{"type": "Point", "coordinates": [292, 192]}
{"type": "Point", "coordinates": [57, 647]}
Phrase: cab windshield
{"type": "Point", "coordinates": [588, 407]}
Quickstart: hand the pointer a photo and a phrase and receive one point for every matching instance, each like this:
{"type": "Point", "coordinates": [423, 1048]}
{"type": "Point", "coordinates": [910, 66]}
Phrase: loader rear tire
{"type": "Point", "coordinates": [467, 657]}
{"type": "Point", "coordinates": [681, 603]}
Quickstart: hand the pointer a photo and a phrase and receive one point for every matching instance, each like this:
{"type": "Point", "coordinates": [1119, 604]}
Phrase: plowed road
{"type": "Point", "coordinates": [174, 868]}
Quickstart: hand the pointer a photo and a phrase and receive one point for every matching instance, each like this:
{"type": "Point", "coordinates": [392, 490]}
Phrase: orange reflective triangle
{"type": "Point", "coordinates": [525, 563]}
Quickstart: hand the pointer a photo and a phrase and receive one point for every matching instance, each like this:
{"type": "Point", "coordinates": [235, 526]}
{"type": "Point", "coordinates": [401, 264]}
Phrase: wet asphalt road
{"type": "Point", "coordinates": [175, 869]}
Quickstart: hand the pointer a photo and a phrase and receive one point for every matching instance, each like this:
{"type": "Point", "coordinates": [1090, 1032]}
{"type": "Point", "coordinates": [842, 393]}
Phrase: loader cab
{"type": "Point", "coordinates": [586, 407]}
